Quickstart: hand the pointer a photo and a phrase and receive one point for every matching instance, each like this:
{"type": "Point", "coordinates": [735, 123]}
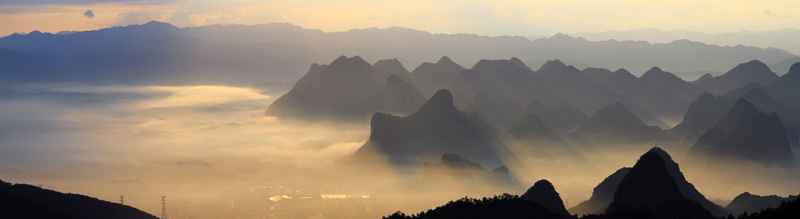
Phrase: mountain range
{"type": "Point", "coordinates": [159, 53]}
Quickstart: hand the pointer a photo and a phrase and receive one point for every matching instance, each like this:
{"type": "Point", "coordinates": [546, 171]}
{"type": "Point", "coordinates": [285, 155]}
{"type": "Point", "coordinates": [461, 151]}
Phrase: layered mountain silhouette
{"type": "Point", "coordinates": [27, 201]}
{"type": "Point", "coordinates": [349, 88]}
{"type": "Point", "coordinates": [434, 76]}
{"type": "Point", "coordinates": [241, 54]}
{"type": "Point", "coordinates": [649, 186]}
{"type": "Point", "coordinates": [616, 124]}
{"type": "Point", "coordinates": [603, 194]}
{"type": "Point", "coordinates": [564, 117]}
{"type": "Point", "coordinates": [753, 71]}
{"type": "Point", "coordinates": [702, 115]}
{"type": "Point", "coordinates": [453, 168]}
{"type": "Point", "coordinates": [649, 97]}
{"type": "Point", "coordinates": [747, 202]}
{"type": "Point", "coordinates": [675, 86]}
{"type": "Point", "coordinates": [544, 193]}
{"type": "Point", "coordinates": [533, 129]}
{"type": "Point", "coordinates": [436, 128]}
{"type": "Point", "coordinates": [574, 87]}
{"type": "Point", "coordinates": [745, 134]}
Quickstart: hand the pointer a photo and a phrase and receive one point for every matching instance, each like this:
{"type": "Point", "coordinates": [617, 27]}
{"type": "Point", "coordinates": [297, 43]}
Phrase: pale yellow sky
{"type": "Point", "coordinates": [509, 17]}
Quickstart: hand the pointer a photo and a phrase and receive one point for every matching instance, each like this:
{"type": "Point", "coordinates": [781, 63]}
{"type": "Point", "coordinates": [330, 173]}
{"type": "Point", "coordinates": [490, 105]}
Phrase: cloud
{"type": "Point", "coordinates": [89, 14]}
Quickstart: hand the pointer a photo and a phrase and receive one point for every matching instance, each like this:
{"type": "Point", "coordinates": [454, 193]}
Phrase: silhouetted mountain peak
{"type": "Point", "coordinates": [394, 80]}
{"type": "Point", "coordinates": [622, 73]}
{"type": "Point", "coordinates": [354, 64]}
{"type": "Point", "coordinates": [444, 60]}
{"type": "Point", "coordinates": [158, 24]}
{"type": "Point", "coordinates": [704, 77]}
{"type": "Point", "coordinates": [795, 69]}
{"type": "Point", "coordinates": [544, 193]}
{"type": "Point", "coordinates": [649, 185]}
{"type": "Point", "coordinates": [742, 109]}
{"type": "Point", "coordinates": [747, 202]}
{"type": "Point", "coordinates": [456, 161]}
{"type": "Point", "coordinates": [649, 179]}
{"type": "Point", "coordinates": [441, 102]}
{"type": "Point", "coordinates": [753, 68]}
{"type": "Point", "coordinates": [615, 114]}
{"type": "Point", "coordinates": [656, 72]}
{"type": "Point", "coordinates": [664, 155]}
{"type": "Point", "coordinates": [560, 37]}
{"type": "Point", "coordinates": [706, 97]}
{"type": "Point", "coordinates": [553, 65]}
{"type": "Point", "coordinates": [391, 66]}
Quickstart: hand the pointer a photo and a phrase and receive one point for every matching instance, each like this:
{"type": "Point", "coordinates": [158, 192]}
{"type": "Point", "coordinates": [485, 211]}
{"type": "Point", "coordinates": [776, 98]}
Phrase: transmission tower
{"type": "Point", "coordinates": [163, 207]}
{"type": "Point", "coordinates": [121, 199]}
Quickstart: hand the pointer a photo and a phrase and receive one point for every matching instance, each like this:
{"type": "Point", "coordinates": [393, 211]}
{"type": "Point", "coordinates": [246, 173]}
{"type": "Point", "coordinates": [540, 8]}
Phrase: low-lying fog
{"type": "Point", "coordinates": [214, 154]}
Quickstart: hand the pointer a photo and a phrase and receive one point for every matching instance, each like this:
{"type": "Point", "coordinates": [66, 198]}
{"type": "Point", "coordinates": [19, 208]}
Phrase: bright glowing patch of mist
{"type": "Point", "coordinates": [199, 145]}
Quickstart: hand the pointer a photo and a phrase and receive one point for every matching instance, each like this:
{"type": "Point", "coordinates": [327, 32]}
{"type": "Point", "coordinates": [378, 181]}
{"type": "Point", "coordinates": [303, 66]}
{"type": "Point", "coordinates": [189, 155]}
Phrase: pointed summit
{"type": "Point", "coordinates": [434, 76]}
{"type": "Point", "coordinates": [749, 68]}
{"type": "Point", "coordinates": [441, 102]}
{"type": "Point", "coordinates": [741, 110]}
{"type": "Point", "coordinates": [616, 124]}
{"type": "Point", "coordinates": [435, 129]}
{"type": "Point", "coordinates": [687, 189]}
{"type": "Point", "coordinates": [753, 71]}
{"type": "Point", "coordinates": [655, 70]}
{"type": "Point", "coordinates": [392, 66]}
{"type": "Point", "coordinates": [612, 116]}
{"type": "Point", "coordinates": [703, 114]}
{"type": "Point", "coordinates": [795, 69]}
{"type": "Point", "coordinates": [444, 60]}
{"type": "Point", "coordinates": [544, 193]}
{"type": "Point", "coordinates": [552, 65]}
{"type": "Point", "coordinates": [346, 89]}
{"type": "Point", "coordinates": [704, 77]}
{"type": "Point", "coordinates": [746, 134]}
{"type": "Point", "coordinates": [789, 83]}
{"type": "Point", "coordinates": [672, 84]}
{"type": "Point", "coordinates": [400, 97]}
{"type": "Point", "coordinates": [517, 61]}
{"type": "Point", "coordinates": [623, 73]}
{"type": "Point", "coordinates": [649, 185]}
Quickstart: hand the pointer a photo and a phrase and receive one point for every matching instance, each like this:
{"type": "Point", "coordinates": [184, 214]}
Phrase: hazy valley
{"type": "Point", "coordinates": [279, 121]}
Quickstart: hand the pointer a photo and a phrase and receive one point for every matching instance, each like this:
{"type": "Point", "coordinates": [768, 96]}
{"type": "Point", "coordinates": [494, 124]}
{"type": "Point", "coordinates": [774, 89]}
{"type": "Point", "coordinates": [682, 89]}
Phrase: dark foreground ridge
{"type": "Point", "coordinates": [654, 188]}
{"type": "Point", "coordinates": [27, 201]}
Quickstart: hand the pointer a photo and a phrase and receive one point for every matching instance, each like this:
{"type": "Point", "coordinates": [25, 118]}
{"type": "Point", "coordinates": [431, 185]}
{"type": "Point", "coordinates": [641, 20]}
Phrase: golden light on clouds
{"type": "Point", "coordinates": [200, 96]}
{"type": "Point", "coordinates": [483, 17]}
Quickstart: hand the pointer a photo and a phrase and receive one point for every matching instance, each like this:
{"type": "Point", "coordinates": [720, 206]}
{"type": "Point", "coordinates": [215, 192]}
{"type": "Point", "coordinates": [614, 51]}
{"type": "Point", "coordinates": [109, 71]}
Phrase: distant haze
{"type": "Point", "coordinates": [508, 17]}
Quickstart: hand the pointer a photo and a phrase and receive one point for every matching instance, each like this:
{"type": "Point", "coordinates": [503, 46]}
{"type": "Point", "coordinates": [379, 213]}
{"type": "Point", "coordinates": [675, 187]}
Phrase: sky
{"type": "Point", "coordinates": [509, 17]}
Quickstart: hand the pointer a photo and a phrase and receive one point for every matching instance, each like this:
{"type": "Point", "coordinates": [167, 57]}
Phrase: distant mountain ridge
{"type": "Point", "coordinates": [161, 53]}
